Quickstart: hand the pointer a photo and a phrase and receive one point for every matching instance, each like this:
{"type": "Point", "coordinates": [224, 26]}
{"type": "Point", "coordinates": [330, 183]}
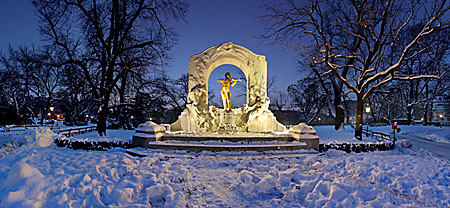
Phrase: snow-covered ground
{"type": "Point", "coordinates": [112, 135]}
{"type": "Point", "coordinates": [431, 133]}
{"type": "Point", "coordinates": [327, 134]}
{"type": "Point", "coordinates": [39, 174]}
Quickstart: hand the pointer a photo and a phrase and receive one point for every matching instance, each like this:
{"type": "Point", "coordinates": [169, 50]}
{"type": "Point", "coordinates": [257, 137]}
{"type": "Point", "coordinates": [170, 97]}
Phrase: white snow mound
{"type": "Point", "coordinates": [36, 137]}
{"type": "Point", "coordinates": [150, 127]}
{"type": "Point", "coordinates": [23, 187]}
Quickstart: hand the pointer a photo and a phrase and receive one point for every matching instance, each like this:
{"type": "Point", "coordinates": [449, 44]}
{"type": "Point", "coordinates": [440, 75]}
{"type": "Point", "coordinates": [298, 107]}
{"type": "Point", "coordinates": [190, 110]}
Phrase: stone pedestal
{"type": "Point", "coordinates": [147, 132]}
{"type": "Point", "coordinates": [227, 122]}
{"type": "Point", "coordinates": [305, 133]}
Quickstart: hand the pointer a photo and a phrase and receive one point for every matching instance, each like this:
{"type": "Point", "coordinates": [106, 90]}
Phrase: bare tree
{"type": "Point", "coordinates": [162, 98]}
{"type": "Point", "coordinates": [74, 95]}
{"type": "Point", "coordinates": [98, 35]}
{"type": "Point", "coordinates": [31, 82]}
{"type": "Point", "coordinates": [307, 97]}
{"type": "Point", "coordinates": [16, 80]}
{"type": "Point", "coordinates": [280, 103]}
{"type": "Point", "coordinates": [432, 61]}
{"type": "Point", "coordinates": [359, 41]}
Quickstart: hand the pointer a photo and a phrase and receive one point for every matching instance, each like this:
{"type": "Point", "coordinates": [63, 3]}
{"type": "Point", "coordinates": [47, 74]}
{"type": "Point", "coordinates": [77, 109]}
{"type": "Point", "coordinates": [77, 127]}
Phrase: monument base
{"type": "Point", "coordinates": [227, 122]}
{"type": "Point", "coordinates": [301, 136]}
{"type": "Point", "coordinates": [228, 142]}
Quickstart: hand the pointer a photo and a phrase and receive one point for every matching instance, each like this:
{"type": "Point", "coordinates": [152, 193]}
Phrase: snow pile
{"type": "Point", "coordinates": [23, 187]}
{"type": "Point", "coordinates": [435, 138]}
{"type": "Point", "coordinates": [151, 128]}
{"type": "Point", "coordinates": [36, 137]}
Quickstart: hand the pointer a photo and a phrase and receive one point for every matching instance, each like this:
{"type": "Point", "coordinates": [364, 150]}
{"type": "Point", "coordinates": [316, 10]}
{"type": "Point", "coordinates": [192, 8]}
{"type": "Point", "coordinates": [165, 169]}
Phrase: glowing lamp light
{"type": "Point", "coordinates": [87, 116]}
{"type": "Point", "coordinates": [441, 116]}
{"type": "Point", "coordinates": [49, 114]}
{"type": "Point", "coordinates": [52, 108]}
{"type": "Point", "coordinates": [367, 109]}
{"type": "Point", "coordinates": [421, 119]}
{"type": "Point", "coordinates": [132, 117]}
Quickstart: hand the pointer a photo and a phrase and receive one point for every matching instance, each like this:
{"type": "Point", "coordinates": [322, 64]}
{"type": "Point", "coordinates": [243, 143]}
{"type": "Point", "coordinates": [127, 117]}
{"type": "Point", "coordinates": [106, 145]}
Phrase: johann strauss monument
{"type": "Point", "coordinates": [254, 116]}
{"type": "Point", "coordinates": [251, 122]}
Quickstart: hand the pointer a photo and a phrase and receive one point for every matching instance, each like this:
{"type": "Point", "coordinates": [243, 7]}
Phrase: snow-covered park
{"type": "Point", "coordinates": [39, 174]}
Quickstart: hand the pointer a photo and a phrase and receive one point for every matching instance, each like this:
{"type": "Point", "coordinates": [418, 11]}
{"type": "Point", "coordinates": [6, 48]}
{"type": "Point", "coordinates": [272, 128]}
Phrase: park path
{"type": "Point", "coordinates": [437, 148]}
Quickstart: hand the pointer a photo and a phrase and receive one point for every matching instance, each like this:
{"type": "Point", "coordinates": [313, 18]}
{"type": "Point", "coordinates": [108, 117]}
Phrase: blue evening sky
{"type": "Point", "coordinates": [209, 22]}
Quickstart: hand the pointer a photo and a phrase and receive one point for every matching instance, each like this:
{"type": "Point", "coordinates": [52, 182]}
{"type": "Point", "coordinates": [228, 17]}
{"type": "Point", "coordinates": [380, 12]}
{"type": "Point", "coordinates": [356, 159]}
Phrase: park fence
{"type": "Point", "coordinates": [76, 131]}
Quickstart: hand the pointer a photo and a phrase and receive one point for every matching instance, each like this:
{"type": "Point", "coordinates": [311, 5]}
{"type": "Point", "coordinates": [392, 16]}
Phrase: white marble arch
{"type": "Point", "coordinates": [253, 65]}
{"type": "Point", "coordinates": [254, 116]}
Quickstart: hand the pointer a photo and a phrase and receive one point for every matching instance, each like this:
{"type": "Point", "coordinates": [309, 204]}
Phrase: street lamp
{"type": "Point", "coordinates": [367, 111]}
{"type": "Point", "coordinates": [50, 113]}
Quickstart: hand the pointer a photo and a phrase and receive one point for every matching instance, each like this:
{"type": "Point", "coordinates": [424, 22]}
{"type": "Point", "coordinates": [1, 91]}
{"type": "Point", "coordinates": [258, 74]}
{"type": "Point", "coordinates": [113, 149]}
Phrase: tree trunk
{"type": "Point", "coordinates": [122, 89]}
{"type": "Point", "coordinates": [103, 116]}
{"type": "Point", "coordinates": [409, 114]}
{"type": "Point", "coordinates": [430, 120]}
{"type": "Point", "coordinates": [101, 124]}
{"type": "Point", "coordinates": [339, 119]}
{"type": "Point", "coordinates": [425, 114]}
{"type": "Point", "coordinates": [359, 120]}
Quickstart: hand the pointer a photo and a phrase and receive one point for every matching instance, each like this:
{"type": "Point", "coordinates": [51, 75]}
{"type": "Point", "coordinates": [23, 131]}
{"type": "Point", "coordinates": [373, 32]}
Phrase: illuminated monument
{"type": "Point", "coordinates": [254, 116]}
{"type": "Point", "coordinates": [251, 122]}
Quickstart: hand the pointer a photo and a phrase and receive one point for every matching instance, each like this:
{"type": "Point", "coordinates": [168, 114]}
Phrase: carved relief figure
{"type": "Point", "coordinates": [225, 92]}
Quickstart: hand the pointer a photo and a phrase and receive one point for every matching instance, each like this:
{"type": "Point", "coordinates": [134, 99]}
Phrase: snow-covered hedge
{"type": "Point", "coordinates": [91, 145]}
{"type": "Point", "coordinates": [357, 147]}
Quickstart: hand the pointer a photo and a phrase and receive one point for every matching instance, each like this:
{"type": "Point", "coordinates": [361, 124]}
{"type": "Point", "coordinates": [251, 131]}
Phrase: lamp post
{"type": "Point", "coordinates": [51, 111]}
{"type": "Point", "coordinates": [367, 117]}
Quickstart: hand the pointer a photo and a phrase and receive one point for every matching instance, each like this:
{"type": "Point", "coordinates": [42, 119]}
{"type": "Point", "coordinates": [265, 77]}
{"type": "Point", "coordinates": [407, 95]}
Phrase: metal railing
{"type": "Point", "coordinates": [76, 131]}
{"type": "Point", "coordinates": [380, 136]}
{"type": "Point", "coordinates": [21, 127]}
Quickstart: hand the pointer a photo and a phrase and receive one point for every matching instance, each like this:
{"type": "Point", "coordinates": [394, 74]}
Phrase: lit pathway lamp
{"type": "Point", "coordinates": [367, 111]}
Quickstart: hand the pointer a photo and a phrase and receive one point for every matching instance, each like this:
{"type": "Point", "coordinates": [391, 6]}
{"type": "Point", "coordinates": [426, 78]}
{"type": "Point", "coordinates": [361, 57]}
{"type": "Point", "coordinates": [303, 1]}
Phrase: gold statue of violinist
{"type": "Point", "coordinates": [225, 92]}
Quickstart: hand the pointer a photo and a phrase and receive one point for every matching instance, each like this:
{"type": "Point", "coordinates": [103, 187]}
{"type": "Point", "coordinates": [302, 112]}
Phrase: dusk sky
{"type": "Point", "coordinates": [209, 23]}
